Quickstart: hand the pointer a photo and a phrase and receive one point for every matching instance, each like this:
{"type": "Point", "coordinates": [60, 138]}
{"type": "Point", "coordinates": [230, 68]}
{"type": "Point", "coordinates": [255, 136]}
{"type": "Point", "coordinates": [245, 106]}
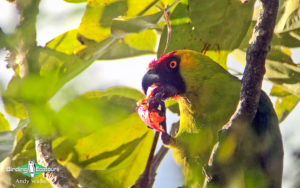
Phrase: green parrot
{"type": "Point", "coordinates": [207, 96]}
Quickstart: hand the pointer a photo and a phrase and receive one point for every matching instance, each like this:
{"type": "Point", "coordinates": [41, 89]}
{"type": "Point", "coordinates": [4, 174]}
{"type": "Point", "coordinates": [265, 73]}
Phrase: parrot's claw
{"type": "Point", "coordinates": [165, 138]}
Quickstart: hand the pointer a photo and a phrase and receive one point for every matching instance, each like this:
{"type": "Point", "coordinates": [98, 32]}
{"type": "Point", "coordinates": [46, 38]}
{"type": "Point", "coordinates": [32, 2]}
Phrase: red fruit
{"type": "Point", "coordinates": [150, 117]}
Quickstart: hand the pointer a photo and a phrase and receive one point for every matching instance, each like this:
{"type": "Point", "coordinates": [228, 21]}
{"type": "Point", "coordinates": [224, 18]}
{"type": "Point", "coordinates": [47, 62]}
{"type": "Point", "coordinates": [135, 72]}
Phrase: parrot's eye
{"type": "Point", "coordinates": [173, 64]}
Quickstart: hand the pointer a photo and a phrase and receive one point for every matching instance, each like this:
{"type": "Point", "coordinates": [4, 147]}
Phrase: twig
{"type": "Point", "coordinates": [169, 29]}
{"type": "Point", "coordinates": [46, 158]}
{"type": "Point", "coordinates": [251, 82]}
{"type": "Point", "coordinates": [160, 155]}
{"type": "Point", "coordinates": [147, 178]}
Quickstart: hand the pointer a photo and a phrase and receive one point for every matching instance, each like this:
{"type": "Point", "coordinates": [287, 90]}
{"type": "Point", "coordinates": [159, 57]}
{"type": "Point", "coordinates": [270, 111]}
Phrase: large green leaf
{"type": "Point", "coordinates": [289, 19]}
{"type": "Point", "coordinates": [13, 104]}
{"type": "Point", "coordinates": [278, 92]}
{"type": "Point", "coordinates": [279, 40]}
{"type": "Point", "coordinates": [285, 105]}
{"type": "Point", "coordinates": [121, 27]}
{"type": "Point", "coordinates": [105, 144]}
{"type": "Point", "coordinates": [75, 1]}
{"type": "Point", "coordinates": [184, 36]}
{"type": "Point", "coordinates": [225, 28]}
{"type": "Point", "coordinates": [107, 21]}
{"type": "Point", "coordinates": [131, 45]}
{"type": "Point", "coordinates": [119, 163]}
{"type": "Point", "coordinates": [285, 102]}
{"type": "Point", "coordinates": [7, 140]}
{"type": "Point", "coordinates": [4, 125]}
{"type": "Point", "coordinates": [96, 22]}
{"type": "Point", "coordinates": [66, 43]}
{"type": "Point", "coordinates": [56, 69]}
{"type": "Point", "coordinates": [96, 110]}
{"type": "Point", "coordinates": [97, 19]}
{"type": "Point", "coordinates": [279, 70]}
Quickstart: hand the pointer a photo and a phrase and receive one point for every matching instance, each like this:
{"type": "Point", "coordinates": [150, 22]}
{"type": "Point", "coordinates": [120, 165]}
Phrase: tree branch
{"type": "Point", "coordinates": [251, 83]}
{"type": "Point", "coordinates": [255, 68]}
{"type": "Point", "coordinates": [46, 158]}
{"type": "Point", "coordinates": [147, 178]}
{"type": "Point", "coordinates": [255, 58]}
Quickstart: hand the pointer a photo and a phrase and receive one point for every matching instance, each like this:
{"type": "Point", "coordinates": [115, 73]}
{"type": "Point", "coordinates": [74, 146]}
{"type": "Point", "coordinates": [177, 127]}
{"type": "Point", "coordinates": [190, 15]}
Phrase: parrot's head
{"type": "Point", "coordinates": [189, 78]}
{"type": "Point", "coordinates": [173, 73]}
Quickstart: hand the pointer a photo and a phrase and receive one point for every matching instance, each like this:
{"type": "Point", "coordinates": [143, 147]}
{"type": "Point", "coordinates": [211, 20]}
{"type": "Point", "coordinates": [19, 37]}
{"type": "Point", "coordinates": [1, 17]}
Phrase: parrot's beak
{"type": "Point", "coordinates": [150, 78]}
{"type": "Point", "coordinates": [163, 86]}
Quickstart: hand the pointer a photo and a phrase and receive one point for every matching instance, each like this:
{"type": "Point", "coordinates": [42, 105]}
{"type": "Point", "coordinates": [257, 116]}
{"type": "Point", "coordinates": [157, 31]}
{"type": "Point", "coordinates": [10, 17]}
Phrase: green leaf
{"type": "Point", "coordinates": [136, 40]}
{"type": "Point", "coordinates": [56, 68]}
{"type": "Point", "coordinates": [208, 30]}
{"type": "Point", "coordinates": [7, 140]}
{"type": "Point", "coordinates": [97, 19]}
{"type": "Point", "coordinates": [106, 145]}
{"type": "Point", "coordinates": [121, 28]}
{"type": "Point", "coordinates": [4, 125]}
{"type": "Point", "coordinates": [100, 14]}
{"type": "Point", "coordinates": [66, 43]}
{"type": "Point", "coordinates": [132, 45]}
{"type": "Point", "coordinates": [42, 118]}
{"type": "Point", "coordinates": [172, 105]}
{"type": "Point", "coordinates": [284, 105]}
{"type": "Point", "coordinates": [214, 22]}
{"type": "Point", "coordinates": [279, 92]}
{"type": "Point", "coordinates": [97, 109]}
{"type": "Point", "coordinates": [285, 102]}
{"type": "Point", "coordinates": [181, 26]}
{"type": "Point", "coordinates": [75, 1]}
{"type": "Point", "coordinates": [13, 104]}
{"type": "Point", "coordinates": [107, 21]}
{"type": "Point", "coordinates": [284, 74]}
{"type": "Point", "coordinates": [288, 40]}
{"type": "Point", "coordinates": [290, 18]}
{"type": "Point", "coordinates": [287, 29]}
{"type": "Point", "coordinates": [279, 40]}
{"type": "Point", "coordinates": [120, 91]}
{"type": "Point", "coordinates": [25, 146]}
{"type": "Point", "coordinates": [117, 167]}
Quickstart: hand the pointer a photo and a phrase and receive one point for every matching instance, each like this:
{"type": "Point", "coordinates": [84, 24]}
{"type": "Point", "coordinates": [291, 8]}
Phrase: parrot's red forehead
{"type": "Point", "coordinates": [163, 59]}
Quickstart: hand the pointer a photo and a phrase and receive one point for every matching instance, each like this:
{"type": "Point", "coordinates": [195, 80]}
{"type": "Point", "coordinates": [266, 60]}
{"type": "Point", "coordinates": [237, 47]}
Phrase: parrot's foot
{"type": "Point", "coordinates": [165, 138]}
{"type": "Point", "coordinates": [168, 140]}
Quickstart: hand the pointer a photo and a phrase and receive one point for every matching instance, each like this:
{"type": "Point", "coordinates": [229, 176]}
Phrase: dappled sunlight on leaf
{"type": "Point", "coordinates": [66, 42]}
{"type": "Point", "coordinates": [104, 136]}
{"type": "Point", "coordinates": [4, 125]}
{"type": "Point", "coordinates": [96, 110]}
{"type": "Point", "coordinates": [284, 74]}
{"type": "Point", "coordinates": [285, 102]}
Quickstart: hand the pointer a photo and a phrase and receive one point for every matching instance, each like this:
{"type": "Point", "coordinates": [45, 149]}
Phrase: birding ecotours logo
{"type": "Point", "coordinates": [31, 169]}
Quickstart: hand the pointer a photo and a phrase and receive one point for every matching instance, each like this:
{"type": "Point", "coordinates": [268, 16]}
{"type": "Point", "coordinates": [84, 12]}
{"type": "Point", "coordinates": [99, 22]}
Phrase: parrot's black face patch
{"type": "Point", "coordinates": [166, 76]}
